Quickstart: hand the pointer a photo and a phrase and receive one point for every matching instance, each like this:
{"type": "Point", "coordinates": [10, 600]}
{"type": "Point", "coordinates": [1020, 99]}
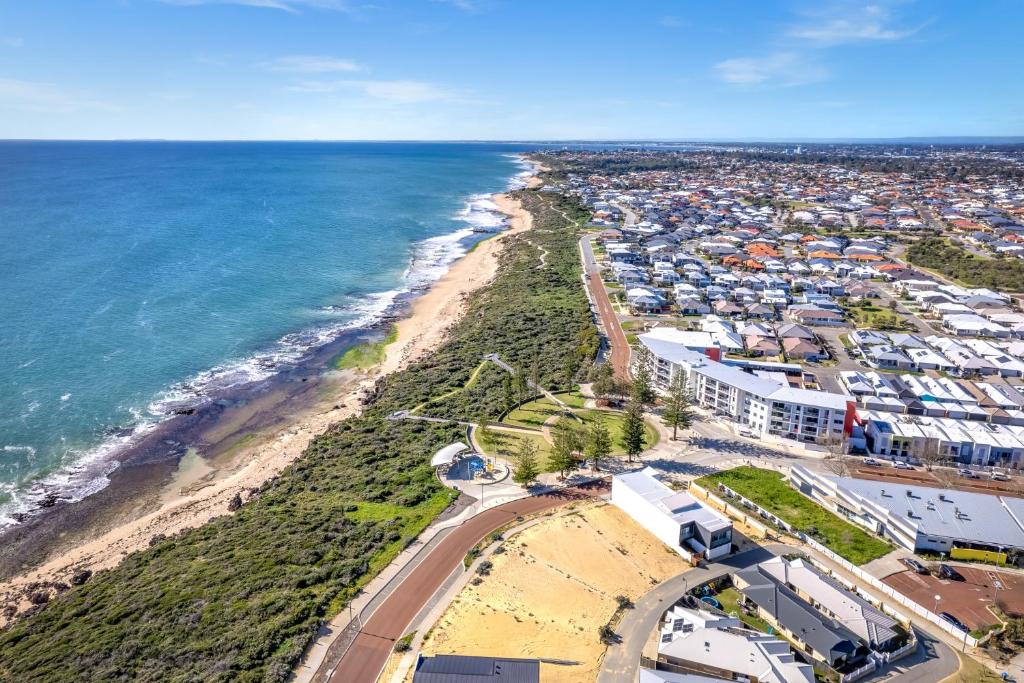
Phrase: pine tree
{"type": "Point", "coordinates": [526, 468]}
{"type": "Point", "coordinates": [633, 435]}
{"type": "Point", "coordinates": [678, 412]}
{"type": "Point", "coordinates": [510, 393]}
{"type": "Point", "coordinates": [599, 443]}
{"type": "Point", "coordinates": [484, 435]}
{"type": "Point", "coordinates": [603, 381]}
{"type": "Point", "coordinates": [565, 448]}
{"type": "Point", "coordinates": [642, 389]}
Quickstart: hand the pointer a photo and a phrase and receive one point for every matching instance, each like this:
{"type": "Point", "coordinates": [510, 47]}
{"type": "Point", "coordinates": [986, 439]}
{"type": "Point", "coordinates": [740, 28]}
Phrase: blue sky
{"type": "Point", "coordinates": [509, 69]}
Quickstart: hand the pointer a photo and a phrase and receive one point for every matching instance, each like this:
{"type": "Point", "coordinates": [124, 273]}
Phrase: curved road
{"type": "Point", "coordinates": [619, 357]}
{"type": "Point", "coordinates": [369, 651]}
{"type": "Point", "coordinates": [933, 661]}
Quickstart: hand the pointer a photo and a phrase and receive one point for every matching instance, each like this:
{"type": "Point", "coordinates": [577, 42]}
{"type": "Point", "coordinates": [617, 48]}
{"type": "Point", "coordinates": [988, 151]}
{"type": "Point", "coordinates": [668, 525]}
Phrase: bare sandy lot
{"type": "Point", "coordinates": [553, 588]}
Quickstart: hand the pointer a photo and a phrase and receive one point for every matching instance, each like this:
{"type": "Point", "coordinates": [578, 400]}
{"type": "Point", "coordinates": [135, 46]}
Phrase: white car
{"type": "Point", "coordinates": [747, 433]}
{"type": "Point", "coordinates": [871, 462]}
{"type": "Point", "coordinates": [903, 465]}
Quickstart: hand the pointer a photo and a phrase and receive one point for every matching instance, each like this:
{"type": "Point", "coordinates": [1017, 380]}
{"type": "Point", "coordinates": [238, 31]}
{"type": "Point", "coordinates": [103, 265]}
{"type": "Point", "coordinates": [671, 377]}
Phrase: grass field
{"type": "Point", "coordinates": [770, 491]}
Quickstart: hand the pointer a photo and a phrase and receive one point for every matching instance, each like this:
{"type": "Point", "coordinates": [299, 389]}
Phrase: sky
{"type": "Point", "coordinates": [510, 69]}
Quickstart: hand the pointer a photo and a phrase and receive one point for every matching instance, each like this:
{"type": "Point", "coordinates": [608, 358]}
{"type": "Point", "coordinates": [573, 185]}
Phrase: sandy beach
{"type": "Point", "coordinates": [202, 489]}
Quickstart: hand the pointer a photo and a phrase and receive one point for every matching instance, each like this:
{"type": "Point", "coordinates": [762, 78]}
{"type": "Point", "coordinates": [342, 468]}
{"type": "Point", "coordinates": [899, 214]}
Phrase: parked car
{"type": "Point", "coordinates": [968, 474]}
{"type": "Point", "coordinates": [953, 620]}
{"type": "Point", "coordinates": [1000, 476]}
{"type": "Point", "coordinates": [915, 565]}
{"type": "Point", "coordinates": [871, 462]}
{"type": "Point", "coordinates": [747, 433]}
{"type": "Point", "coordinates": [947, 572]}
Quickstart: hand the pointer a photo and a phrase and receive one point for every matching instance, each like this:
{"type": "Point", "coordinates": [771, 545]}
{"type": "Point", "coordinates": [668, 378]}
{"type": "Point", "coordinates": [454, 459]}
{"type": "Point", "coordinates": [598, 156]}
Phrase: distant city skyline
{"type": "Point", "coordinates": [504, 70]}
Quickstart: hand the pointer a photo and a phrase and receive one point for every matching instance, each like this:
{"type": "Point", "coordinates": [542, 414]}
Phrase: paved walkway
{"type": "Point", "coordinates": [363, 660]}
{"type": "Point", "coordinates": [609, 320]}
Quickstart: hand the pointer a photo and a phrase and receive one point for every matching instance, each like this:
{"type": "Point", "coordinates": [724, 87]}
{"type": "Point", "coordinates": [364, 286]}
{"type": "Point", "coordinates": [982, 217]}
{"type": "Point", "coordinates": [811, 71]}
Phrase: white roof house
{"type": "Point", "coordinates": [679, 520]}
{"type": "Point", "coordinates": [728, 648]}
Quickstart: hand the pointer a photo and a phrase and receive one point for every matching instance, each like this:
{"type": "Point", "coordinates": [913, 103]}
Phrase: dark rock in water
{"type": "Point", "coordinates": [19, 517]}
{"type": "Point", "coordinates": [119, 432]}
{"type": "Point", "coordinates": [49, 501]}
{"type": "Point", "coordinates": [80, 577]}
{"type": "Point", "coordinates": [183, 411]}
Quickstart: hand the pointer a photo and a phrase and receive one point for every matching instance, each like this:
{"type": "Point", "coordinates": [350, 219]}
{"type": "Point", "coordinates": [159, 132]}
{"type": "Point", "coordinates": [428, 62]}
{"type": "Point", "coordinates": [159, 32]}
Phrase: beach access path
{"type": "Point", "coordinates": [609, 320]}
{"type": "Point", "coordinates": [363, 659]}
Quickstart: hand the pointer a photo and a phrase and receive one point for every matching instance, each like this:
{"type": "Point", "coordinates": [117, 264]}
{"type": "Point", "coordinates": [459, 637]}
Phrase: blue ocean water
{"type": "Point", "coordinates": [138, 276]}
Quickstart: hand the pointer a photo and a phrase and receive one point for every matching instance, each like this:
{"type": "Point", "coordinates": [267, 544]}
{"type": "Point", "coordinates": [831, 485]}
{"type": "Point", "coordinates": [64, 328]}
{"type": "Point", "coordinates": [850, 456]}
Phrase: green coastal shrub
{"type": "Point", "coordinates": [241, 597]}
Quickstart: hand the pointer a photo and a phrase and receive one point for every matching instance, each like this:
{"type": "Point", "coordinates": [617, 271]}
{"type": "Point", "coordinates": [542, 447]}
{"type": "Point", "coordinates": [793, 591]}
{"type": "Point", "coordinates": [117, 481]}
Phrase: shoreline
{"type": "Point", "coordinates": [189, 489]}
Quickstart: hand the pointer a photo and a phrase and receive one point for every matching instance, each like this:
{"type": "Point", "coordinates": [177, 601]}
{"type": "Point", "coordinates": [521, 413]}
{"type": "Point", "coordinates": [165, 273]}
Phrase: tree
{"type": "Point", "coordinates": [599, 443]}
{"type": "Point", "coordinates": [510, 392]}
{"type": "Point", "coordinates": [634, 436]}
{"type": "Point", "coordinates": [535, 370]}
{"type": "Point", "coordinates": [565, 448]}
{"type": "Point", "coordinates": [678, 412]}
{"type": "Point", "coordinates": [484, 435]}
{"type": "Point", "coordinates": [642, 389]}
{"type": "Point", "coordinates": [836, 459]}
{"type": "Point", "coordinates": [522, 386]}
{"type": "Point", "coordinates": [526, 468]}
{"type": "Point", "coordinates": [602, 381]}
{"type": "Point", "coordinates": [929, 454]}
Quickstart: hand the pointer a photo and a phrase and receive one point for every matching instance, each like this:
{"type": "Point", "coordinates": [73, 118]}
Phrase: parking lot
{"type": "Point", "coordinates": [921, 477]}
{"type": "Point", "coordinates": [967, 600]}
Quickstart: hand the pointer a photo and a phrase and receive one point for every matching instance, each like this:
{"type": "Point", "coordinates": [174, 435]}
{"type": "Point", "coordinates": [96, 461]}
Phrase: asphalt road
{"type": "Point", "coordinates": [933, 661]}
{"type": "Point", "coordinates": [369, 651]}
{"type": "Point", "coordinates": [619, 357]}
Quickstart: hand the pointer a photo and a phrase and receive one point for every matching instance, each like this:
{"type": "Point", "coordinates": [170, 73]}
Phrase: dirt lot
{"type": "Point", "coordinates": [552, 589]}
{"type": "Point", "coordinates": [966, 600]}
{"type": "Point", "coordinates": [920, 477]}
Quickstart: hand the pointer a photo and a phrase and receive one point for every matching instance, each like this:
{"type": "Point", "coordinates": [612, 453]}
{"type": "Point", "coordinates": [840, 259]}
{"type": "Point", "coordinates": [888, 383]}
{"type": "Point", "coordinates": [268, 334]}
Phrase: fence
{"type": "Point", "coordinates": [728, 509]}
{"type": "Point", "coordinates": [856, 571]}
{"type": "Point", "coordinates": [892, 593]}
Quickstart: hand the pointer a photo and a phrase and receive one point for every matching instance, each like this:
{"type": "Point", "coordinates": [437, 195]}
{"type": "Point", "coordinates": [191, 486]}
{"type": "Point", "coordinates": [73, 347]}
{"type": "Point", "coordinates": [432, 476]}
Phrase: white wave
{"type": "Point", "coordinates": [21, 449]}
{"type": "Point", "coordinates": [65, 397]}
{"type": "Point", "coordinates": [529, 169]}
{"type": "Point", "coordinates": [88, 470]}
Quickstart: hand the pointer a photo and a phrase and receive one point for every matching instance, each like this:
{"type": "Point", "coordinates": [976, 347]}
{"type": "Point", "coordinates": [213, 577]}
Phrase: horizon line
{"type": "Point", "coordinates": [918, 139]}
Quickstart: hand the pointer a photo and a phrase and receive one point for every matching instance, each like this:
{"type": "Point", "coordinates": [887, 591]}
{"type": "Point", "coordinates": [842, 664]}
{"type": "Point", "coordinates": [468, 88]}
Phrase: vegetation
{"type": "Point", "coordinates": [634, 436]}
{"type": "Point", "coordinates": [598, 445]}
{"type": "Point", "coordinates": [367, 354]}
{"type": "Point", "coordinates": [567, 442]}
{"type": "Point", "coordinates": [526, 468]}
{"type": "Point", "coordinates": [951, 261]}
{"type": "Point", "coordinates": [678, 412]}
{"type": "Point", "coordinates": [241, 598]}
{"type": "Point", "coordinates": [768, 489]}
{"type": "Point", "coordinates": [731, 600]}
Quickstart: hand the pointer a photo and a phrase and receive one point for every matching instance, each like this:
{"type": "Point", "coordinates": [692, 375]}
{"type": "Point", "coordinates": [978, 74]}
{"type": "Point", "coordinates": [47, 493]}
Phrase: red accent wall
{"type": "Point", "coordinates": [713, 353]}
{"type": "Point", "coordinates": [851, 417]}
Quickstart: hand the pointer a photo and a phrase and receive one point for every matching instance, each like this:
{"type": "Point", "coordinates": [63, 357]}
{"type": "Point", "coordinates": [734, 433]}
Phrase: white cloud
{"type": "Point", "coordinates": [867, 23]}
{"type": "Point", "coordinates": [780, 69]}
{"type": "Point", "coordinates": [45, 98]}
{"type": "Point", "coordinates": [11, 41]}
{"type": "Point", "coordinates": [311, 64]}
{"type": "Point", "coordinates": [399, 91]}
{"type": "Point", "coordinates": [294, 6]}
{"type": "Point", "coordinates": [671, 22]}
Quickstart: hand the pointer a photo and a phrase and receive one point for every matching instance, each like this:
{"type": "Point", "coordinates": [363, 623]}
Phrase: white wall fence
{"type": "Point", "coordinates": [856, 571]}
{"type": "Point", "coordinates": [731, 511]}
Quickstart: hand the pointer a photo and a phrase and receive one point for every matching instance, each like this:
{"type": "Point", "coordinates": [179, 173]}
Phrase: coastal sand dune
{"type": "Point", "coordinates": [199, 494]}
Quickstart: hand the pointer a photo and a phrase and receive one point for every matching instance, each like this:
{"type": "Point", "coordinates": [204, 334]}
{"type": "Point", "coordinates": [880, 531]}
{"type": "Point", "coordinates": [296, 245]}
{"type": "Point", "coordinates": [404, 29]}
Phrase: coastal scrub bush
{"type": "Point", "coordinates": [242, 597]}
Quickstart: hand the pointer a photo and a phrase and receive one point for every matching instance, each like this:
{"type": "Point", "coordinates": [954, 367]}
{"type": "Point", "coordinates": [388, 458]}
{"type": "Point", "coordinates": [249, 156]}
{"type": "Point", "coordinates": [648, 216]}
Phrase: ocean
{"type": "Point", "coordinates": [138, 279]}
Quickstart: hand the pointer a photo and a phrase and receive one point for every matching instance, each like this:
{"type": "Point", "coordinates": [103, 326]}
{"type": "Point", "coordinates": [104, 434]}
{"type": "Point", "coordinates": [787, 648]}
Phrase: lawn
{"type": "Point", "coordinates": [533, 414]}
{"type": "Point", "coordinates": [613, 420]}
{"type": "Point", "coordinates": [730, 600]}
{"type": "Point", "coordinates": [770, 491]}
